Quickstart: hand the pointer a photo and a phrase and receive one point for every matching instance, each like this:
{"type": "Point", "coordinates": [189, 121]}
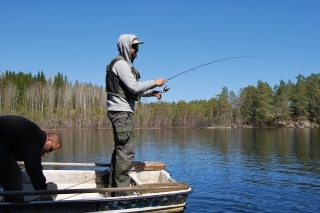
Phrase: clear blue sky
{"type": "Point", "coordinates": [78, 38]}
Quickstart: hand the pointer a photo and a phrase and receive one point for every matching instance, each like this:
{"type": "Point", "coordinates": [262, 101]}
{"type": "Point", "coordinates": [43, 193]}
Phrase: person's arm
{"type": "Point", "coordinates": [152, 93]}
{"type": "Point", "coordinates": [32, 162]}
{"type": "Point", "coordinates": [33, 166]}
{"type": "Point", "coordinates": [123, 70]}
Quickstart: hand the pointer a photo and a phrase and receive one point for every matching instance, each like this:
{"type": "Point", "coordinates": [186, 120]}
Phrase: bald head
{"type": "Point", "coordinates": [56, 140]}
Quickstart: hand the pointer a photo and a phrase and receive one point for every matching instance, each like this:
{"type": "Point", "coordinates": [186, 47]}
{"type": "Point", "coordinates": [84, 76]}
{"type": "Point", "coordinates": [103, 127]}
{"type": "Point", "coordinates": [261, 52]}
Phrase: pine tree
{"type": "Point", "coordinates": [300, 98]}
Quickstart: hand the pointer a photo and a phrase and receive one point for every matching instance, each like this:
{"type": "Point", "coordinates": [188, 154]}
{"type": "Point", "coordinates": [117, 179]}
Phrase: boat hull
{"type": "Point", "coordinates": [164, 201]}
{"type": "Point", "coordinates": [168, 203]}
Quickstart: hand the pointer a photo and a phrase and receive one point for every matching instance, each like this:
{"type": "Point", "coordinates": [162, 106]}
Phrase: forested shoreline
{"type": "Point", "coordinates": [56, 103]}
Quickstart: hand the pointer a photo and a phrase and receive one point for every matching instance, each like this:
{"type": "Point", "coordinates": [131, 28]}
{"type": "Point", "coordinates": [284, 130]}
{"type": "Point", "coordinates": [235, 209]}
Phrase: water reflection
{"type": "Point", "coordinates": [261, 145]}
{"type": "Point", "coordinates": [84, 146]}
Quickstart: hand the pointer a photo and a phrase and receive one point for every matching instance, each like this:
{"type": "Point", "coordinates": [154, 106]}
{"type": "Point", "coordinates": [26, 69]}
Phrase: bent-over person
{"type": "Point", "coordinates": [23, 140]}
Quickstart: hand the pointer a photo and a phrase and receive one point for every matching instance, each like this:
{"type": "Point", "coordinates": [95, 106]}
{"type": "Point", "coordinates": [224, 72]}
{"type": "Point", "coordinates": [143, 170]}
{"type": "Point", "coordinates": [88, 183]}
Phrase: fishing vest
{"type": "Point", "coordinates": [114, 85]}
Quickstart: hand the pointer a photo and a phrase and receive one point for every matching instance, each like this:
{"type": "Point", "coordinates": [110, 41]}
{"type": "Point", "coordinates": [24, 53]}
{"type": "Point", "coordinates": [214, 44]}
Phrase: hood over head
{"type": "Point", "coordinates": [125, 45]}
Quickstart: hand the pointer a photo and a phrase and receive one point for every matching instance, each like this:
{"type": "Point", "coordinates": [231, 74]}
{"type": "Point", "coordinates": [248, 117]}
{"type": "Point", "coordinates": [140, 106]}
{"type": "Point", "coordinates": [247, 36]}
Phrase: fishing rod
{"type": "Point", "coordinates": [166, 88]}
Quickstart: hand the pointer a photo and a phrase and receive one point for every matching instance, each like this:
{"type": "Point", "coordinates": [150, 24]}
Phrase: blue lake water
{"type": "Point", "coordinates": [230, 170]}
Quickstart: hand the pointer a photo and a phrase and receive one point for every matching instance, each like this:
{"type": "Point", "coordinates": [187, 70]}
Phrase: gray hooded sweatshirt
{"type": "Point", "coordinates": [122, 69]}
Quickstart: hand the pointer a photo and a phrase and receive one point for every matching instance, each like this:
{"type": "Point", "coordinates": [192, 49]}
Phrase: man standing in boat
{"type": "Point", "coordinates": [123, 90]}
{"type": "Point", "coordinates": [23, 140]}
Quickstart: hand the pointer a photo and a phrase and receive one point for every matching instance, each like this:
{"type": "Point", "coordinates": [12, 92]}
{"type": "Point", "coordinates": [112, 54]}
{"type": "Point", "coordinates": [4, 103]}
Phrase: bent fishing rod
{"type": "Point", "coordinates": [166, 88]}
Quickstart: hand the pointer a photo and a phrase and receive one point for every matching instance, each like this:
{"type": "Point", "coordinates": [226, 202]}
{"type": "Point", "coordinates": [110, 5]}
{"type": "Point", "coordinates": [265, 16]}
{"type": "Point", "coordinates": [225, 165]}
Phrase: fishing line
{"type": "Point", "coordinates": [166, 88]}
{"type": "Point", "coordinates": [99, 177]}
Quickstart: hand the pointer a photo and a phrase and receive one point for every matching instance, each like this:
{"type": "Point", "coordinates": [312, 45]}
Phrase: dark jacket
{"type": "Point", "coordinates": [25, 140]}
